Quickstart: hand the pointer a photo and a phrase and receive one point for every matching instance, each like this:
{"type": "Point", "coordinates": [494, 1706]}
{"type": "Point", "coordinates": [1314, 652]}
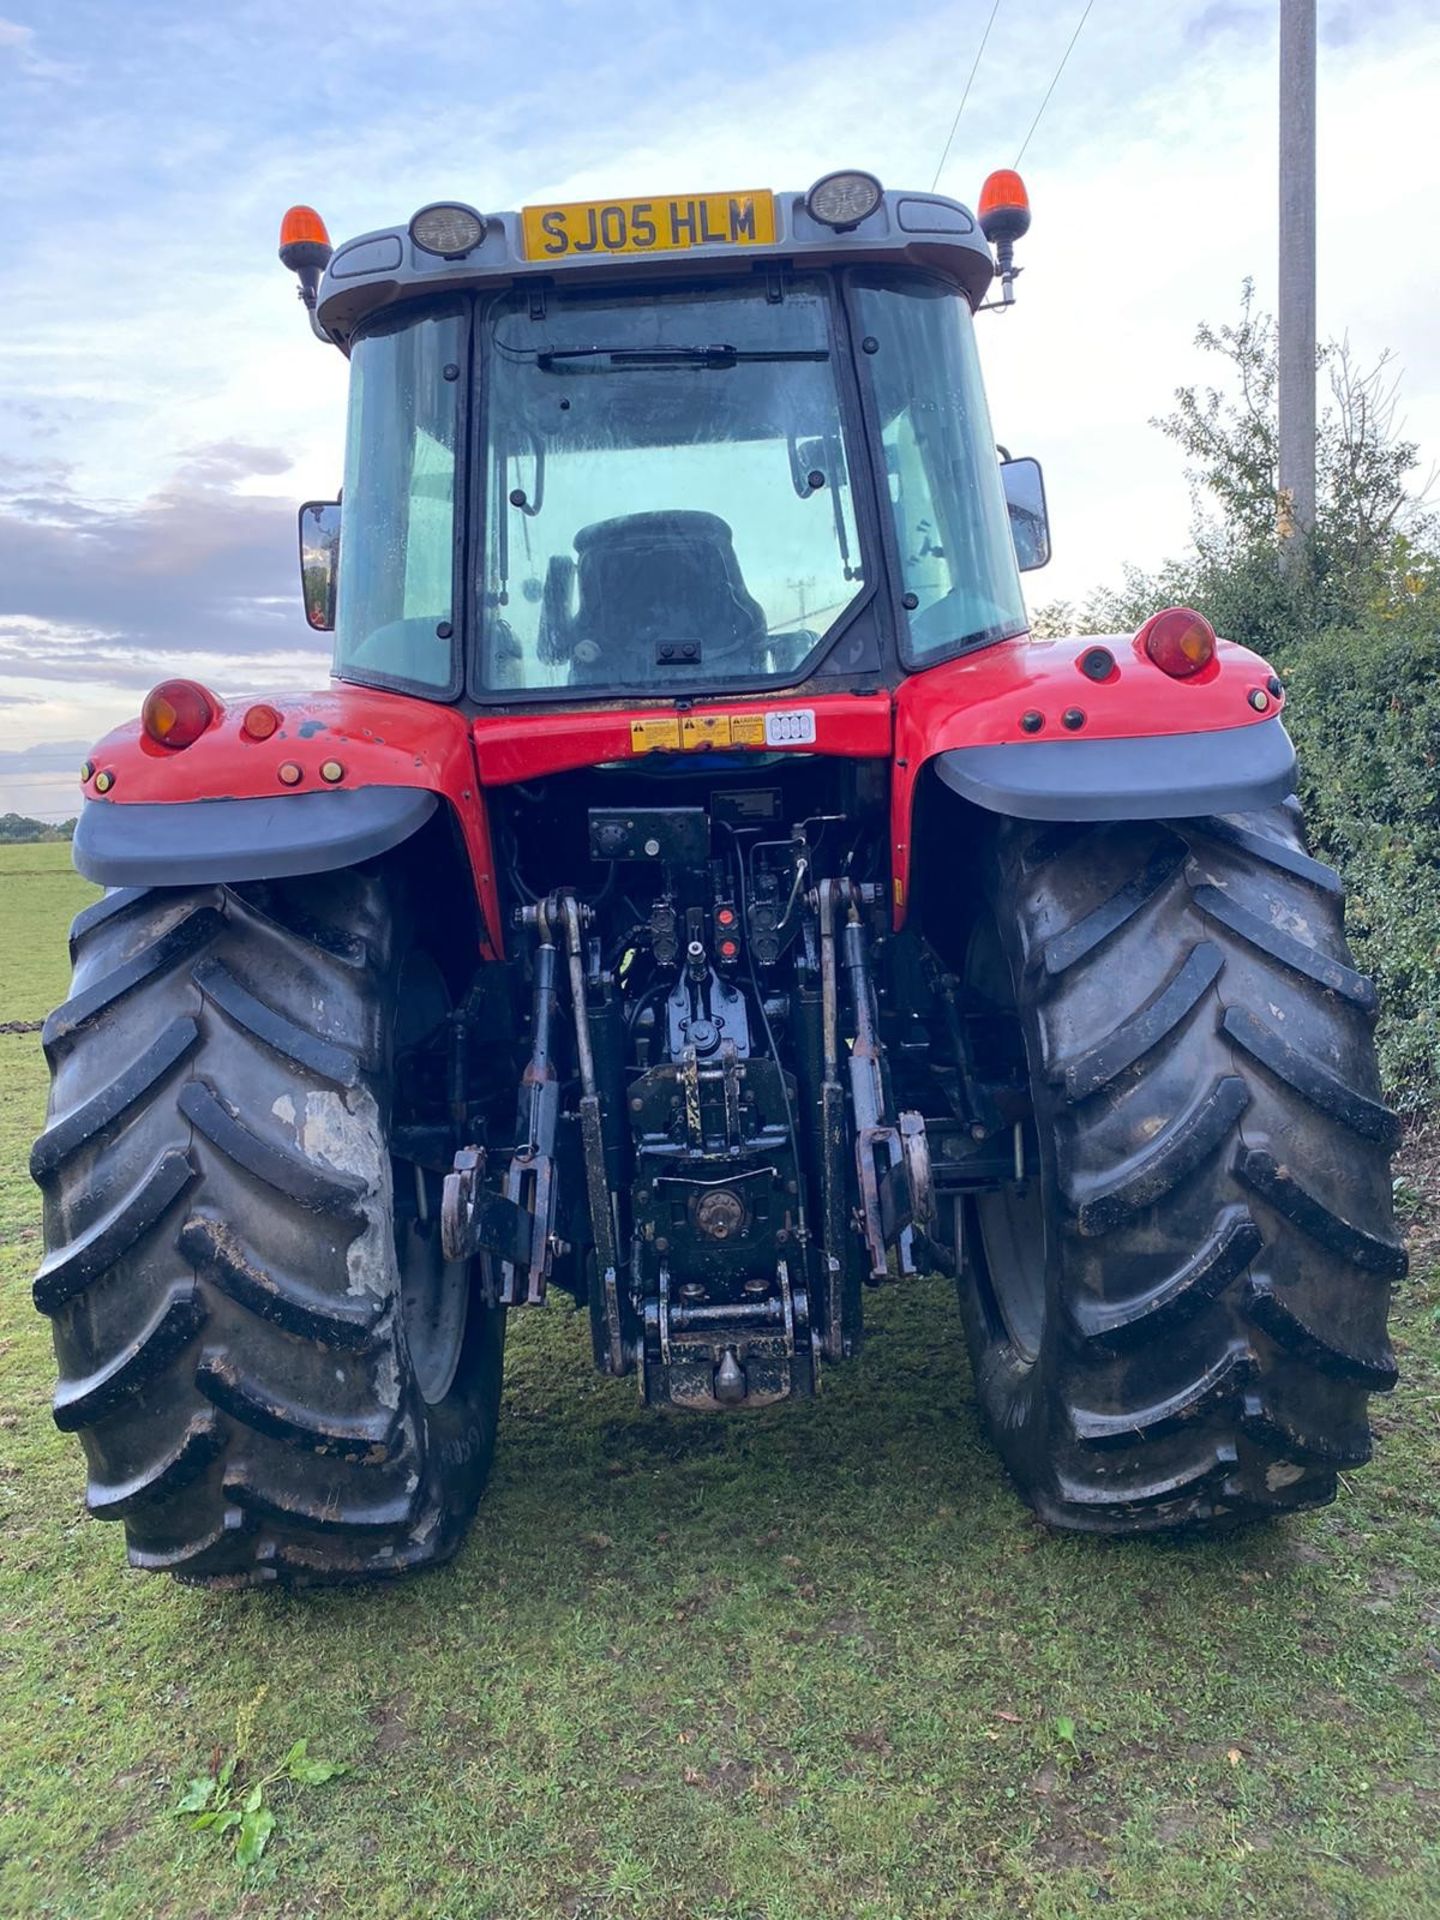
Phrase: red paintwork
{"type": "Point", "coordinates": [389, 739]}
{"type": "Point", "coordinates": [380, 739]}
{"type": "Point", "coordinates": [514, 747]}
{"type": "Point", "coordinates": [977, 701]}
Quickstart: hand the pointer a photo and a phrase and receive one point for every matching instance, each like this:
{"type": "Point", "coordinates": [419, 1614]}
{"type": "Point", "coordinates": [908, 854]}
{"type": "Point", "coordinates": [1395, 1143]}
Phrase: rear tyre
{"type": "Point", "coordinates": [1180, 1317]}
{"type": "Point", "coordinates": [272, 1371]}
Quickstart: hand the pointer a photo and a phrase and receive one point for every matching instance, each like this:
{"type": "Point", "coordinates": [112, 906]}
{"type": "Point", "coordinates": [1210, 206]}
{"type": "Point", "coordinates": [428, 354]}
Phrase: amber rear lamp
{"type": "Point", "coordinates": [177, 712]}
{"type": "Point", "coordinates": [1179, 641]}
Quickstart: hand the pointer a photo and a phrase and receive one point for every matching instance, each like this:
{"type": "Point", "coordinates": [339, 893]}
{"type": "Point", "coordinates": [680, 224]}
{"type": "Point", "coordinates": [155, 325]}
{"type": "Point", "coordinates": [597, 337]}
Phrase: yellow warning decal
{"type": "Point", "coordinates": [705, 730]}
{"type": "Point", "coordinates": [667, 733]}
{"type": "Point", "coordinates": [650, 735]}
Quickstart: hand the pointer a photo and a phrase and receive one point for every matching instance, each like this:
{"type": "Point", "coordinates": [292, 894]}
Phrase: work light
{"type": "Point", "coordinates": [842, 200]}
{"type": "Point", "coordinates": [447, 229]}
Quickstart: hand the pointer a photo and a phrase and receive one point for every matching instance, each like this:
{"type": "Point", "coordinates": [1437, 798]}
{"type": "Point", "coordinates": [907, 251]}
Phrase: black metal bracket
{"type": "Point", "coordinates": [891, 1156]}
{"type": "Point", "coordinates": [619, 1359]}
{"type": "Point", "coordinates": [475, 1220]}
{"type": "Point", "coordinates": [749, 1353]}
{"type": "Point", "coordinates": [518, 1227]}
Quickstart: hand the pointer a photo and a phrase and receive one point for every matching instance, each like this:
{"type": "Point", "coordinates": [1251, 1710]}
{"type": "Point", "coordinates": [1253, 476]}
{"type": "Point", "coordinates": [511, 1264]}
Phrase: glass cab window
{"type": "Point", "coordinates": [667, 497]}
{"type": "Point", "coordinates": [395, 614]}
{"type": "Point", "coordinates": [947, 506]}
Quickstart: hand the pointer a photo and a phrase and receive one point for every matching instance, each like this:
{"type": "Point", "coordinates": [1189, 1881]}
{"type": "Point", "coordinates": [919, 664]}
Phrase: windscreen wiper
{"type": "Point", "coordinates": [668, 356]}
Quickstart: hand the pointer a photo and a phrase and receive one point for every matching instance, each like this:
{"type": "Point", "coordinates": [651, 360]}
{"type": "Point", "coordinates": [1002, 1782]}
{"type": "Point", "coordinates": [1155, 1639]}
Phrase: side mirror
{"type": "Point", "coordinates": [1029, 518]}
{"type": "Point", "coordinates": [320, 561]}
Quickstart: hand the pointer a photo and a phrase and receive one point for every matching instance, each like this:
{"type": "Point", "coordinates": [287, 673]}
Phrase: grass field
{"type": "Point", "coordinates": [817, 1663]}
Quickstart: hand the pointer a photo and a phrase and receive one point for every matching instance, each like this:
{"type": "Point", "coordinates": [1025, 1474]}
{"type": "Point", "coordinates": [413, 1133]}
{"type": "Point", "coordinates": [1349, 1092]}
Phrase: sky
{"type": "Point", "coordinates": [163, 405]}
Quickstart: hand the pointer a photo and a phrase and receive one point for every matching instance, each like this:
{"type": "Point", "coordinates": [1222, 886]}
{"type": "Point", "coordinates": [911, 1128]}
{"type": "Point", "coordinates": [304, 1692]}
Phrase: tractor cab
{"type": "Point", "coordinates": [663, 448]}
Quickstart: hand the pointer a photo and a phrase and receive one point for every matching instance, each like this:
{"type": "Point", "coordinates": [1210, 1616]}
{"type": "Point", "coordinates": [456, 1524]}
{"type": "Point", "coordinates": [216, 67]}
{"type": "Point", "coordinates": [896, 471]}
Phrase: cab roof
{"type": "Point", "coordinates": [386, 268]}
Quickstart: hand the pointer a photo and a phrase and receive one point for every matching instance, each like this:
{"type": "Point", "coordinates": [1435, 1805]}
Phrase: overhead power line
{"type": "Point", "coordinates": [974, 69]}
{"type": "Point", "coordinates": [1054, 83]}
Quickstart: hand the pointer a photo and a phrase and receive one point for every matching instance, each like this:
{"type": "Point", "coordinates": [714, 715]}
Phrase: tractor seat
{"type": "Point", "coordinates": [651, 591]}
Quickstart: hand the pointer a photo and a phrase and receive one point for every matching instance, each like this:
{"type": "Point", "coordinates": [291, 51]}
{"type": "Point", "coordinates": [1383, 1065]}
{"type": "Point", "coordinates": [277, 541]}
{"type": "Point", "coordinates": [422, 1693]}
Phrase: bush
{"type": "Point", "coordinates": [1364, 712]}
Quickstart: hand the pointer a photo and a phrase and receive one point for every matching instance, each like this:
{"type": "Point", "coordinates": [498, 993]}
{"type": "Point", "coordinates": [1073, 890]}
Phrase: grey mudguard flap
{"type": "Point", "coordinates": [271, 838]}
{"type": "Point", "coordinates": [1164, 777]}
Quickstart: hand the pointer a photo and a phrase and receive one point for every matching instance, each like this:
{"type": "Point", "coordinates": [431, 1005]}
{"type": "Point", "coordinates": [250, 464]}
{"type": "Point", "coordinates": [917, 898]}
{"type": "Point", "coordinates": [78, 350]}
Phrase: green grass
{"type": "Point", "coordinates": [799, 1664]}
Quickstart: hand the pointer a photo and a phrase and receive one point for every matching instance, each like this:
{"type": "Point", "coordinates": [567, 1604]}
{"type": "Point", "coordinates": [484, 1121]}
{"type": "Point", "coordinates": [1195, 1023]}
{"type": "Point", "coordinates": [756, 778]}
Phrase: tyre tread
{"type": "Point", "coordinates": [218, 1252]}
{"type": "Point", "coordinates": [202, 1442]}
{"type": "Point", "coordinates": [1080, 940]}
{"type": "Point", "coordinates": [1221, 1246]}
{"type": "Point", "coordinates": [370, 1440]}
{"type": "Point", "coordinates": [89, 1124]}
{"type": "Point", "coordinates": [71, 1266]}
{"type": "Point", "coordinates": [1141, 1032]}
{"type": "Point", "coordinates": [1311, 1078]}
{"type": "Point", "coordinates": [80, 1402]}
{"type": "Point", "coordinates": [290, 1174]}
{"type": "Point", "coordinates": [222, 1294]}
{"type": "Point", "coordinates": [1286, 948]}
{"type": "Point", "coordinates": [1278, 1186]}
{"type": "Point", "coordinates": [265, 1023]}
{"type": "Point", "coordinates": [1178, 1151]}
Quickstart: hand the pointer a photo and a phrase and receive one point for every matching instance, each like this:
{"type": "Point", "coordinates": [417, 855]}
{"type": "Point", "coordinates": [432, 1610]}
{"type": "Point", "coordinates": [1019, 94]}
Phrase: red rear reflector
{"type": "Point", "coordinates": [260, 722]}
{"type": "Point", "coordinates": [177, 712]}
{"type": "Point", "coordinates": [1179, 641]}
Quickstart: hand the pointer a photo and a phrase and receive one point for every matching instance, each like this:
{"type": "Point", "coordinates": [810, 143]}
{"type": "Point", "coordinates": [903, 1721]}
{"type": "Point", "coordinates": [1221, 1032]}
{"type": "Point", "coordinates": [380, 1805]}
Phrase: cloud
{"type": "Point", "coordinates": [20, 41]}
{"type": "Point", "coordinates": [100, 600]}
{"type": "Point", "coordinates": [198, 565]}
{"type": "Point", "coordinates": [42, 780]}
{"type": "Point", "coordinates": [47, 756]}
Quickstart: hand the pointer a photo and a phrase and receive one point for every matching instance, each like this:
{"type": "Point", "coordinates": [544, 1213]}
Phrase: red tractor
{"type": "Point", "coordinates": [697, 894]}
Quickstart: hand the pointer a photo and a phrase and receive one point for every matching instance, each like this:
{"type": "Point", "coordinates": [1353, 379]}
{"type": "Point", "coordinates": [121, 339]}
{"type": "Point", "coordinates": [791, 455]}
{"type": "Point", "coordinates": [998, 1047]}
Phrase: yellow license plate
{"type": "Point", "coordinates": [666, 224]}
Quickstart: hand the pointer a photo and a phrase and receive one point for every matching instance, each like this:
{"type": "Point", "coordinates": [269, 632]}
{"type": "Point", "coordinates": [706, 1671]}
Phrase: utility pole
{"type": "Point", "coordinates": [1297, 272]}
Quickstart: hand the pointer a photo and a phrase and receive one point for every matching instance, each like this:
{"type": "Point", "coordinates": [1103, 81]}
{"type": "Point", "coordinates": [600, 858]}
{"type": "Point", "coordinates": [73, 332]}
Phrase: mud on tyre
{"type": "Point", "coordinates": [271, 1371]}
{"type": "Point", "coordinates": [1182, 1317]}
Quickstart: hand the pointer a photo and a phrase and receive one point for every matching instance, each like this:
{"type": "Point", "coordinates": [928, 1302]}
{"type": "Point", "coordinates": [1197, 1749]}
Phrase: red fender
{"type": "Point", "coordinates": [986, 699]}
{"type": "Point", "coordinates": [376, 739]}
